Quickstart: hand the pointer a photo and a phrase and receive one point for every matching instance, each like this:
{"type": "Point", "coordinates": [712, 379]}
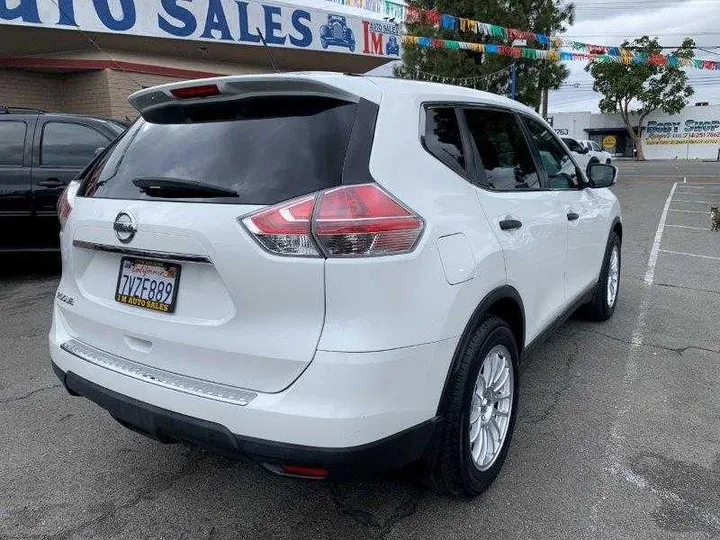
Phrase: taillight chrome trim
{"type": "Point", "coordinates": [142, 253]}
{"type": "Point", "coordinates": [158, 377]}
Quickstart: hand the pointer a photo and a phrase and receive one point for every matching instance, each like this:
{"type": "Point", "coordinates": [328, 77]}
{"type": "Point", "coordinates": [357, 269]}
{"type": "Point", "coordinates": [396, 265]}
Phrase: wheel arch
{"type": "Point", "coordinates": [504, 302]}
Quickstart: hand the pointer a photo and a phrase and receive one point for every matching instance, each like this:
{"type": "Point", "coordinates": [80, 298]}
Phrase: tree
{"type": "Point", "coordinates": [640, 89]}
{"type": "Point", "coordinates": [542, 16]}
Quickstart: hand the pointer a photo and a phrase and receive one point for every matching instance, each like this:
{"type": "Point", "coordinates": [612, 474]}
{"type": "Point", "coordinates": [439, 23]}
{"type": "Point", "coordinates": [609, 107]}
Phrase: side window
{"type": "Point", "coordinates": [69, 145]}
{"type": "Point", "coordinates": [12, 143]}
{"type": "Point", "coordinates": [596, 147]}
{"type": "Point", "coordinates": [560, 168]}
{"type": "Point", "coordinates": [442, 138]}
{"type": "Point", "coordinates": [503, 150]}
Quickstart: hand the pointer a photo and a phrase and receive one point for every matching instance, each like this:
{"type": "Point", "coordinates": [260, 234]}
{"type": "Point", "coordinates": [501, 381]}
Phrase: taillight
{"type": "Point", "coordinates": [348, 221]}
{"type": "Point", "coordinates": [66, 201]}
{"type": "Point", "coordinates": [285, 228]}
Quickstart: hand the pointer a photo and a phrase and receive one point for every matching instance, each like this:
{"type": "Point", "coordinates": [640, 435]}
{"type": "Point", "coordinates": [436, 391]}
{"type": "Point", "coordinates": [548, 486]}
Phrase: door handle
{"type": "Point", "coordinates": [572, 216]}
{"type": "Point", "coordinates": [52, 182]}
{"type": "Point", "coordinates": [508, 224]}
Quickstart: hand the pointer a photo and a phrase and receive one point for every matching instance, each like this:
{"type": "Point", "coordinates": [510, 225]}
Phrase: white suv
{"type": "Point", "coordinates": [328, 273]}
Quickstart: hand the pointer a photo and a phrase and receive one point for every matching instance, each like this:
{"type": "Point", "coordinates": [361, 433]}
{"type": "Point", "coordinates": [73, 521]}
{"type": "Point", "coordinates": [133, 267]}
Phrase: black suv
{"type": "Point", "coordinates": [39, 154]}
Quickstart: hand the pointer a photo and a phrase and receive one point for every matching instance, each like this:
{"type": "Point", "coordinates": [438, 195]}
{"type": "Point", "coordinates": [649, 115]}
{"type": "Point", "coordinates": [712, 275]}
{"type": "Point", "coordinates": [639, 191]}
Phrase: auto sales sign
{"type": "Point", "coordinates": [229, 21]}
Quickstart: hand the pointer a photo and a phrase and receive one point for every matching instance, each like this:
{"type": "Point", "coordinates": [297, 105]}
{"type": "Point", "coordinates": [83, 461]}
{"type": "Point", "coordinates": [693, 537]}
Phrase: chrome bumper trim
{"type": "Point", "coordinates": [145, 253]}
{"type": "Point", "coordinates": [159, 377]}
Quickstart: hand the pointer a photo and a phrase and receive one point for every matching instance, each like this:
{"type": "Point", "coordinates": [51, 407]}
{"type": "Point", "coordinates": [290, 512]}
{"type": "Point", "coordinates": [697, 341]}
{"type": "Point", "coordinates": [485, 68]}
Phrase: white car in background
{"type": "Point", "coordinates": [595, 151]}
{"type": "Point", "coordinates": [328, 273]}
{"type": "Point", "coordinates": [585, 154]}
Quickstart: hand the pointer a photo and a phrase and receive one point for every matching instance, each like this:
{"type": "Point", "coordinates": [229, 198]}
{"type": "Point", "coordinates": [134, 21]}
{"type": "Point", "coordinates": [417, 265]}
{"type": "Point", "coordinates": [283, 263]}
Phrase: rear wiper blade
{"type": "Point", "coordinates": [162, 186]}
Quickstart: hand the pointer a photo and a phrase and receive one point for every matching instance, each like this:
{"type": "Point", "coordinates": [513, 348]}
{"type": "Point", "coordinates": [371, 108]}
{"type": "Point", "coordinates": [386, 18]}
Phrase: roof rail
{"type": "Point", "coordinates": [19, 110]}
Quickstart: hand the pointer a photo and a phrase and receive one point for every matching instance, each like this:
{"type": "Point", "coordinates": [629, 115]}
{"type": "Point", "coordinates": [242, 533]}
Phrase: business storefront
{"type": "Point", "coordinates": [86, 56]}
{"type": "Point", "coordinates": [694, 133]}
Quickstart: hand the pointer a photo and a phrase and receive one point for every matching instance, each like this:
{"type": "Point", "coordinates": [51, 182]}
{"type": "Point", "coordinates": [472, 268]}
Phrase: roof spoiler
{"type": "Point", "coordinates": [220, 89]}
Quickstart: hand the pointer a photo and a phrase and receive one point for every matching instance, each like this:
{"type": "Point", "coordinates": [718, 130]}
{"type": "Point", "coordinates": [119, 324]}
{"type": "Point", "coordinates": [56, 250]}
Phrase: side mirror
{"type": "Point", "coordinates": [602, 175]}
{"type": "Point", "coordinates": [583, 149]}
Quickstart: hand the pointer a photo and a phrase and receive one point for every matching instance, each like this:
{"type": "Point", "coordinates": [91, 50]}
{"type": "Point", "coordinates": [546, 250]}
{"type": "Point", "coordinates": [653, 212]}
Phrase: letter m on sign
{"type": "Point", "coordinates": [373, 41]}
{"type": "Point", "coordinates": [376, 43]}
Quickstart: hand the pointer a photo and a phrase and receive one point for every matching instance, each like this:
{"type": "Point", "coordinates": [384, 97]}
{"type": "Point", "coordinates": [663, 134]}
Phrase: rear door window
{"type": "Point", "coordinates": [266, 150]}
{"type": "Point", "coordinates": [12, 143]}
{"type": "Point", "coordinates": [503, 150]}
{"type": "Point", "coordinates": [442, 138]}
{"type": "Point", "coordinates": [67, 144]}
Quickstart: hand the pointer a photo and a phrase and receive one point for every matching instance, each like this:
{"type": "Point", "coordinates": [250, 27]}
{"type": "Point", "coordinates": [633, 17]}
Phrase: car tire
{"type": "Point", "coordinates": [602, 306]}
{"type": "Point", "coordinates": [452, 468]}
{"type": "Point", "coordinates": [608, 162]}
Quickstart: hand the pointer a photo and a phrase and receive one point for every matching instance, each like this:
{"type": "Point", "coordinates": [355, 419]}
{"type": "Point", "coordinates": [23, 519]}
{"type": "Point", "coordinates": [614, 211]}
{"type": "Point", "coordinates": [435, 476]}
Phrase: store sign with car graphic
{"type": "Point", "coordinates": [227, 21]}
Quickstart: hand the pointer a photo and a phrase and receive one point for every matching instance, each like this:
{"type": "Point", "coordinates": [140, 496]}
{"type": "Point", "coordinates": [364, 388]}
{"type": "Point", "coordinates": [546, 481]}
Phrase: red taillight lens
{"type": "Point", "coordinates": [350, 221]}
{"type": "Point", "coordinates": [190, 92]}
{"type": "Point", "coordinates": [364, 220]}
{"type": "Point", "coordinates": [285, 228]}
{"type": "Point", "coordinates": [65, 202]}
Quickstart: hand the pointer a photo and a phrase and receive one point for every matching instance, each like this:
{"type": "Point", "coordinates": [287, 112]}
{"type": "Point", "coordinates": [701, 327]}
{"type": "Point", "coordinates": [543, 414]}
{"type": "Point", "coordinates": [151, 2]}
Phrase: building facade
{"type": "Point", "coordinates": [87, 56]}
{"type": "Point", "coordinates": [694, 133]}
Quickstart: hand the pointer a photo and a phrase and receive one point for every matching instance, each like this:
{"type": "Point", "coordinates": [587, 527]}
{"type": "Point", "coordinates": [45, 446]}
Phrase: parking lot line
{"type": "Point", "coordinates": [688, 227]}
{"type": "Point", "coordinates": [698, 202]}
{"type": "Point", "coordinates": [689, 211]}
{"type": "Point", "coordinates": [690, 254]}
{"type": "Point", "coordinates": [652, 260]}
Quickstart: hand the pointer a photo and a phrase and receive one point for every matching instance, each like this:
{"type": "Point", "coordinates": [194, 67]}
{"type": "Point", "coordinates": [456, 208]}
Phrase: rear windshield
{"type": "Point", "coordinates": [265, 149]}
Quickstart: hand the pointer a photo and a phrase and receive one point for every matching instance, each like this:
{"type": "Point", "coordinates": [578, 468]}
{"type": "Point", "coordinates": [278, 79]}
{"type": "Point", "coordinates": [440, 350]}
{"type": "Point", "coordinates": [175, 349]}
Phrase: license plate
{"type": "Point", "coordinates": [148, 284]}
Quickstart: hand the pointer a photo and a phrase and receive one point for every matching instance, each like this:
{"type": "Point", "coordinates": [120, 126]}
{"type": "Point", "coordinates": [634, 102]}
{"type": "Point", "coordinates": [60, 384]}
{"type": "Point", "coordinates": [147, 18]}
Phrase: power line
{"type": "Point", "coordinates": [98, 47]}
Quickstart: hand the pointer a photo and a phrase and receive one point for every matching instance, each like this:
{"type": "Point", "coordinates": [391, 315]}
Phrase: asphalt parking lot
{"type": "Point", "coordinates": [618, 434]}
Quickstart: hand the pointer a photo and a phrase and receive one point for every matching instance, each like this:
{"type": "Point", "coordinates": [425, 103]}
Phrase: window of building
{"type": "Point", "coordinates": [69, 145]}
{"type": "Point", "coordinates": [503, 150]}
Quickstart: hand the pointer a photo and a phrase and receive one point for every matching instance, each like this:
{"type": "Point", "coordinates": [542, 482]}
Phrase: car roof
{"type": "Point", "coordinates": [370, 88]}
{"type": "Point", "coordinates": [21, 112]}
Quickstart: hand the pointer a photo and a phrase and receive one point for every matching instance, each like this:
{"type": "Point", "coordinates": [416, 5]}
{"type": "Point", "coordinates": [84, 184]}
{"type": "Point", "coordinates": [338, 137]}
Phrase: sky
{"type": "Point", "coordinates": [609, 22]}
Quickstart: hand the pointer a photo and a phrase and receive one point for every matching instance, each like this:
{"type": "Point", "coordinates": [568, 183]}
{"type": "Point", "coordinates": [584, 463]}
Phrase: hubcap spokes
{"type": "Point", "coordinates": [613, 277]}
{"type": "Point", "coordinates": [491, 407]}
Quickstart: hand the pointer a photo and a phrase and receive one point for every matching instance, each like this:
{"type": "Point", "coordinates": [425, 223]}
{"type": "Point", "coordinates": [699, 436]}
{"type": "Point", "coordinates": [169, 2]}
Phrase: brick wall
{"type": "Point", "coordinates": [86, 93]}
{"type": "Point", "coordinates": [121, 84]}
{"type": "Point", "coordinates": [30, 89]}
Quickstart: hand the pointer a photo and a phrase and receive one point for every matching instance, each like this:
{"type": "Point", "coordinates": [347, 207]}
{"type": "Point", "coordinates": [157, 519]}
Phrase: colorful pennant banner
{"type": "Point", "coordinates": [554, 55]}
{"type": "Point", "coordinates": [580, 50]}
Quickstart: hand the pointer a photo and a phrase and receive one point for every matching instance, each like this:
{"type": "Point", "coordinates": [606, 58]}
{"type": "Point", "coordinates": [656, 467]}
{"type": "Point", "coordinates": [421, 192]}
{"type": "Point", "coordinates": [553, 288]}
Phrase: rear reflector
{"type": "Point", "coordinates": [190, 92]}
{"type": "Point", "coordinates": [350, 221]}
{"type": "Point", "coordinates": [308, 472]}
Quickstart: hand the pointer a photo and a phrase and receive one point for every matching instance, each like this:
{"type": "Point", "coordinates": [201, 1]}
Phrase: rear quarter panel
{"type": "Point", "coordinates": [392, 302]}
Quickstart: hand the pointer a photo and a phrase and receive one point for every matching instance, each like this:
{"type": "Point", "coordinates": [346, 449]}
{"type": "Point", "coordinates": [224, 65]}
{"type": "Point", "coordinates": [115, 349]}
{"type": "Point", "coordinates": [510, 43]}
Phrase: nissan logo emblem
{"type": "Point", "coordinates": [124, 227]}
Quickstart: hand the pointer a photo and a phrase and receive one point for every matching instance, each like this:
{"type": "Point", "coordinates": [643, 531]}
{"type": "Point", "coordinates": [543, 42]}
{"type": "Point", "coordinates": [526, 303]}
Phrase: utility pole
{"type": "Point", "coordinates": [513, 81]}
{"type": "Point", "coordinates": [544, 105]}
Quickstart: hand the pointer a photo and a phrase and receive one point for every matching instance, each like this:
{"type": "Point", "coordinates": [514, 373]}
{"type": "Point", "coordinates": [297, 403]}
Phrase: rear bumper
{"type": "Point", "coordinates": [171, 427]}
{"type": "Point", "coordinates": [374, 408]}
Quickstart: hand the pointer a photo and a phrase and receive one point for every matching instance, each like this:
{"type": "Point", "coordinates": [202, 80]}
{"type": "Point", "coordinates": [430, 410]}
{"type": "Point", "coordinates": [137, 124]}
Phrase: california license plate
{"type": "Point", "coordinates": [148, 284]}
